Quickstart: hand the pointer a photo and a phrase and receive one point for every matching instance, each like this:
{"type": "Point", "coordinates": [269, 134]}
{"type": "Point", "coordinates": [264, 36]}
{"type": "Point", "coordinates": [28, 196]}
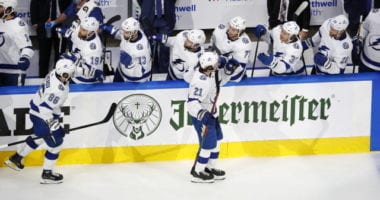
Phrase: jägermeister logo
{"type": "Point", "coordinates": [290, 110]}
{"type": "Point", "coordinates": [137, 116]}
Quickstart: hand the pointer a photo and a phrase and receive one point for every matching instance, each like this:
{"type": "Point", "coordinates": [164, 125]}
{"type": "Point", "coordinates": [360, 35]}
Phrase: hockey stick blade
{"type": "Point", "coordinates": [106, 119]}
{"type": "Point", "coordinates": [113, 19]}
{"type": "Point", "coordinates": [300, 9]}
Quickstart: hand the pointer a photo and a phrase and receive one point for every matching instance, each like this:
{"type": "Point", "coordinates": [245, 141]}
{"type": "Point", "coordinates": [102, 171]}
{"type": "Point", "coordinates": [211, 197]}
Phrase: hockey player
{"type": "Point", "coordinates": [135, 54]}
{"type": "Point", "coordinates": [87, 44]}
{"type": "Point", "coordinates": [15, 46]}
{"type": "Point", "coordinates": [201, 105]}
{"type": "Point", "coordinates": [185, 49]}
{"type": "Point", "coordinates": [44, 112]}
{"type": "Point", "coordinates": [231, 41]}
{"type": "Point", "coordinates": [78, 9]}
{"type": "Point", "coordinates": [369, 52]}
{"type": "Point", "coordinates": [285, 57]}
{"type": "Point", "coordinates": [334, 46]}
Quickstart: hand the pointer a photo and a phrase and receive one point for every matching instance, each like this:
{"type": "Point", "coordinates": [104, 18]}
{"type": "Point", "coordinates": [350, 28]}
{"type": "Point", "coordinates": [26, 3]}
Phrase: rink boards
{"type": "Point", "coordinates": [275, 116]}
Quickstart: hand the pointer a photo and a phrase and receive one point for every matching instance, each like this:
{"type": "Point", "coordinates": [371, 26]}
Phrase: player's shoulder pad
{"type": "Point", "coordinates": [296, 45]}
{"type": "Point", "coordinates": [203, 77]}
{"type": "Point", "coordinates": [346, 45]}
{"type": "Point", "coordinates": [245, 39]}
{"type": "Point", "coordinates": [21, 22]}
{"type": "Point", "coordinates": [93, 45]}
{"type": "Point", "coordinates": [221, 26]}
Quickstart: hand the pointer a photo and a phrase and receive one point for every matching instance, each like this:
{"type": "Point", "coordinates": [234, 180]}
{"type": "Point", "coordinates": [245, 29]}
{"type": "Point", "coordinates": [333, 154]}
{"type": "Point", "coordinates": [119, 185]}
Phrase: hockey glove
{"type": "Point", "coordinates": [125, 58]}
{"type": "Point", "coordinates": [50, 25]}
{"type": "Point", "coordinates": [23, 63]}
{"type": "Point", "coordinates": [160, 38]}
{"type": "Point", "coordinates": [98, 75]}
{"type": "Point", "coordinates": [231, 65]}
{"type": "Point", "coordinates": [265, 59]}
{"type": "Point", "coordinates": [207, 118]}
{"type": "Point", "coordinates": [357, 48]}
{"type": "Point", "coordinates": [321, 59]}
{"type": "Point", "coordinates": [109, 29]}
{"type": "Point", "coordinates": [259, 31]}
{"type": "Point", "coordinates": [53, 124]}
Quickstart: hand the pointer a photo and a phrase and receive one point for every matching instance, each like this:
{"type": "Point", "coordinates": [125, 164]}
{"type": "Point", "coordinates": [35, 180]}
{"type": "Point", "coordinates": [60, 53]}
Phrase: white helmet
{"type": "Point", "coordinates": [9, 4]}
{"type": "Point", "coordinates": [65, 66]}
{"type": "Point", "coordinates": [291, 27]}
{"type": "Point", "coordinates": [130, 25]}
{"type": "Point", "coordinates": [339, 23]}
{"type": "Point", "coordinates": [196, 36]}
{"type": "Point", "coordinates": [90, 24]}
{"type": "Point", "coordinates": [208, 59]}
{"type": "Point", "coordinates": [238, 23]}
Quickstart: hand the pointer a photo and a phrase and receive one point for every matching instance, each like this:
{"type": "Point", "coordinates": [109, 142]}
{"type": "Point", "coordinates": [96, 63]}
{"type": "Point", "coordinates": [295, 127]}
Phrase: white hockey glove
{"type": "Point", "coordinates": [53, 124]}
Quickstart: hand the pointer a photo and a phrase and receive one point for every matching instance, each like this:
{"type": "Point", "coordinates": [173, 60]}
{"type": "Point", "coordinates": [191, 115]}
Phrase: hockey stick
{"type": "Point", "coordinates": [150, 31]}
{"type": "Point", "coordinates": [297, 13]}
{"type": "Point", "coordinates": [358, 38]}
{"type": "Point", "coordinates": [107, 68]}
{"type": "Point", "coordinates": [254, 58]}
{"type": "Point", "coordinates": [106, 119]}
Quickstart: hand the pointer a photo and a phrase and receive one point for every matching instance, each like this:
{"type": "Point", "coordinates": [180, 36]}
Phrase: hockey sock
{"type": "Point", "coordinates": [202, 160]}
{"type": "Point", "coordinates": [29, 147]}
{"type": "Point", "coordinates": [214, 156]}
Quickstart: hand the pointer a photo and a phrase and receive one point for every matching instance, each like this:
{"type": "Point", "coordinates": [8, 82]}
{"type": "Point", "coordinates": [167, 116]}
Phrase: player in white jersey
{"type": "Point", "coordinates": [231, 41]}
{"type": "Point", "coordinates": [185, 49]}
{"type": "Point", "coordinates": [213, 72]}
{"type": "Point", "coordinates": [87, 44]}
{"type": "Point", "coordinates": [135, 54]}
{"type": "Point", "coordinates": [15, 46]}
{"type": "Point", "coordinates": [334, 46]}
{"type": "Point", "coordinates": [370, 38]}
{"type": "Point", "coordinates": [44, 112]}
{"type": "Point", "coordinates": [285, 57]}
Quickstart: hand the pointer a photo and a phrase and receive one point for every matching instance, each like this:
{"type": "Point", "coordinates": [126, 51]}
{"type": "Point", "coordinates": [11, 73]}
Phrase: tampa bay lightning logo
{"type": "Point", "coordinates": [221, 26]}
{"type": "Point", "coordinates": [2, 39]}
{"type": "Point", "coordinates": [179, 64]}
{"type": "Point", "coordinates": [345, 45]}
{"type": "Point", "coordinates": [245, 40]}
{"type": "Point", "coordinates": [139, 47]}
{"type": "Point", "coordinates": [374, 42]}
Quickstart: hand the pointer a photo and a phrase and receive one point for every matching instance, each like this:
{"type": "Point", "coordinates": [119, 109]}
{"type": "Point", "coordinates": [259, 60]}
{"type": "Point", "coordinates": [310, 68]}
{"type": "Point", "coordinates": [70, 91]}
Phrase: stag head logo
{"type": "Point", "coordinates": [137, 116]}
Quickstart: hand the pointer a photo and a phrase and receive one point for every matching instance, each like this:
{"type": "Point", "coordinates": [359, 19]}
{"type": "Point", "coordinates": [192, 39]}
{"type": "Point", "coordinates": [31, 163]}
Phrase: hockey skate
{"type": "Point", "coordinates": [49, 177]}
{"type": "Point", "coordinates": [218, 173]}
{"type": "Point", "coordinates": [14, 162]}
{"type": "Point", "coordinates": [201, 177]}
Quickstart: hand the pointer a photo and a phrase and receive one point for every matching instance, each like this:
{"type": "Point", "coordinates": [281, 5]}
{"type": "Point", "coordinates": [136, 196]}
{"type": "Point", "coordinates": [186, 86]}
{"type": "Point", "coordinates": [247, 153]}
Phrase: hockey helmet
{"type": "Point", "coordinates": [196, 36]}
{"type": "Point", "coordinates": [238, 23]}
{"type": "Point", "coordinates": [8, 4]}
{"type": "Point", "coordinates": [65, 68]}
{"type": "Point", "coordinates": [208, 59]}
{"type": "Point", "coordinates": [130, 25]}
{"type": "Point", "coordinates": [90, 24]}
{"type": "Point", "coordinates": [291, 28]}
{"type": "Point", "coordinates": [339, 23]}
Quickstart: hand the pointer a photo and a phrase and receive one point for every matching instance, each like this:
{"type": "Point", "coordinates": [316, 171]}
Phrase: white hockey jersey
{"type": "Point", "coordinates": [14, 43]}
{"type": "Point", "coordinates": [141, 65]}
{"type": "Point", "coordinates": [202, 92]}
{"type": "Point", "coordinates": [239, 49]}
{"type": "Point", "coordinates": [50, 97]}
{"type": "Point", "coordinates": [370, 31]}
{"type": "Point", "coordinates": [91, 52]}
{"type": "Point", "coordinates": [182, 61]}
{"type": "Point", "coordinates": [337, 51]}
{"type": "Point", "coordinates": [286, 56]}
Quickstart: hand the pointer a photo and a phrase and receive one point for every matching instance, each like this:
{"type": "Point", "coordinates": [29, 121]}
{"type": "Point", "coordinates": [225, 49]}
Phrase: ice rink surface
{"type": "Point", "coordinates": [327, 177]}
